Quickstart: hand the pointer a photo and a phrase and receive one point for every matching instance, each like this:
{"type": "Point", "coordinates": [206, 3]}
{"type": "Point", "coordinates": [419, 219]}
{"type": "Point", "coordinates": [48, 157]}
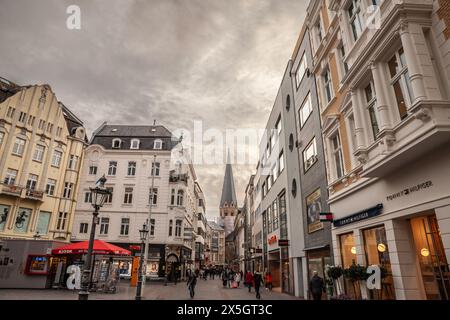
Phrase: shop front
{"type": "Point", "coordinates": [403, 226]}
{"type": "Point", "coordinates": [317, 260]}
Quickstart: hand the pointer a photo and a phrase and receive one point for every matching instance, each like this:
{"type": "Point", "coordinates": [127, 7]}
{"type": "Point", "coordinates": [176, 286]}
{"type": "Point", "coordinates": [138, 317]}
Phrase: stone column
{"type": "Point", "coordinates": [359, 122]}
{"type": "Point", "coordinates": [384, 118]}
{"type": "Point", "coordinates": [415, 74]}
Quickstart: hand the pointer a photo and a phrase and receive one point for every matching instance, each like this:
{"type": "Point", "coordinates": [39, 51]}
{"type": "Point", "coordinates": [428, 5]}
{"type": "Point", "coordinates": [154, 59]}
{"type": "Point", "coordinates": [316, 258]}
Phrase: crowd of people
{"type": "Point", "coordinates": [231, 279]}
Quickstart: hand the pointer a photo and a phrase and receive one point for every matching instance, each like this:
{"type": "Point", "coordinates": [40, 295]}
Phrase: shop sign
{"type": "Point", "coordinates": [313, 209]}
{"type": "Point", "coordinates": [272, 240]}
{"type": "Point", "coordinates": [362, 215]}
{"type": "Point", "coordinates": [258, 250]}
{"type": "Point", "coordinates": [283, 243]}
{"type": "Point", "coordinates": [410, 190]}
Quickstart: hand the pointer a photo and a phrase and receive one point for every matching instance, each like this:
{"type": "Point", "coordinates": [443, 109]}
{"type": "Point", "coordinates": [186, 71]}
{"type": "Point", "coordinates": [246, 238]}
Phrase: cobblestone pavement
{"type": "Point", "coordinates": [205, 290]}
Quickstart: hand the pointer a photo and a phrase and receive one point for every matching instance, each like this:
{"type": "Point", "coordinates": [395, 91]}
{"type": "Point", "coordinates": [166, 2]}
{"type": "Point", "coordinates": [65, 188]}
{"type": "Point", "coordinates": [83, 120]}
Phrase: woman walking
{"type": "Point", "coordinates": [237, 278]}
{"type": "Point", "coordinates": [249, 280]}
{"type": "Point", "coordinates": [268, 281]}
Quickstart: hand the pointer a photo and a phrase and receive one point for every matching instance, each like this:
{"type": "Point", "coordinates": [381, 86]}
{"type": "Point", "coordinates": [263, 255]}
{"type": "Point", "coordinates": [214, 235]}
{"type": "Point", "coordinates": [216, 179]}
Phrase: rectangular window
{"type": "Point", "coordinates": [401, 82]}
{"type": "Point", "coordinates": [131, 168]}
{"type": "Point", "coordinates": [62, 220]}
{"type": "Point", "coordinates": [371, 102]}
{"type": "Point", "coordinates": [11, 176]}
{"type": "Point", "coordinates": [305, 110]}
{"type": "Point", "coordinates": [180, 197]}
{"type": "Point", "coordinates": [269, 219]}
{"type": "Point", "coordinates": [172, 197]}
{"type": "Point", "coordinates": [280, 162]}
{"type": "Point", "coordinates": [32, 182]}
{"type": "Point", "coordinates": [155, 168]}
{"type": "Point", "coordinates": [22, 117]}
{"type": "Point", "coordinates": [2, 136]}
{"type": "Point", "coordinates": [112, 169]}
{"type": "Point", "coordinates": [73, 162]}
{"type": "Point", "coordinates": [41, 124]}
{"type": "Point", "coordinates": [84, 227]}
{"type": "Point", "coordinates": [344, 65]}
{"type": "Point", "coordinates": [128, 197]}
{"type": "Point", "coordinates": [104, 225]}
{"type": "Point", "coordinates": [22, 220]}
{"type": "Point", "coordinates": [337, 155]}
{"type": "Point", "coordinates": [88, 197]}
{"type": "Point", "coordinates": [43, 222]}
{"type": "Point", "coordinates": [354, 11]}
{"type": "Point", "coordinates": [152, 227]}
{"type": "Point", "coordinates": [50, 187]}
{"type": "Point", "coordinates": [328, 85]}
{"type": "Point", "coordinates": [39, 153]}
{"type": "Point", "coordinates": [92, 170]}
{"type": "Point", "coordinates": [154, 196]}
{"type": "Point", "coordinates": [283, 216]}
{"type": "Point", "coordinates": [67, 190]}
{"type": "Point", "coordinates": [348, 258]}
{"type": "Point", "coordinates": [31, 120]}
{"type": "Point", "coordinates": [10, 113]}
{"type": "Point", "coordinates": [278, 126]}
{"type": "Point", "coordinates": [170, 227]}
{"type": "Point", "coordinates": [178, 225]}
{"type": "Point", "coordinates": [275, 214]}
{"type": "Point", "coordinates": [157, 144]}
{"type": "Point", "coordinates": [124, 226]}
{"type": "Point", "coordinates": [109, 198]}
{"type": "Point", "coordinates": [58, 131]}
{"type": "Point", "coordinates": [18, 147]}
{"type": "Point", "coordinates": [49, 127]}
{"type": "Point", "coordinates": [301, 70]}
{"type": "Point", "coordinates": [273, 174]}
{"type": "Point", "coordinates": [56, 160]}
{"type": "Point", "coordinates": [310, 155]}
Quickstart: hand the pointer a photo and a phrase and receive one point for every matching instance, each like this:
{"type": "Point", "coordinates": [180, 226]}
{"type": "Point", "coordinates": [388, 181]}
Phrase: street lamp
{"type": "Point", "coordinates": [143, 233]}
{"type": "Point", "coordinates": [99, 196]}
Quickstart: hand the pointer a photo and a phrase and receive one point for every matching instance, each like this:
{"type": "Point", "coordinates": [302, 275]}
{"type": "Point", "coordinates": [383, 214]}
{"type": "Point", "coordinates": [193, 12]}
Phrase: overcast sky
{"type": "Point", "coordinates": [133, 61]}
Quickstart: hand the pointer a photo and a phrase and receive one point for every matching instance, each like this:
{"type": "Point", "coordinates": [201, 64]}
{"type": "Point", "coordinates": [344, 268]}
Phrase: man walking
{"type": "Point", "coordinates": [249, 280]}
{"type": "Point", "coordinates": [316, 286]}
{"type": "Point", "coordinates": [258, 281]}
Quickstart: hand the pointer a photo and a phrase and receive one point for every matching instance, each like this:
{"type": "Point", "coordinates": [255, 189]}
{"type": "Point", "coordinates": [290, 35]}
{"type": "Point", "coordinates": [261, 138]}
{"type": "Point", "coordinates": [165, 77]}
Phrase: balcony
{"type": "Point", "coordinates": [426, 128]}
{"type": "Point", "coordinates": [178, 177]}
{"type": "Point", "coordinates": [11, 190]}
{"type": "Point", "coordinates": [34, 194]}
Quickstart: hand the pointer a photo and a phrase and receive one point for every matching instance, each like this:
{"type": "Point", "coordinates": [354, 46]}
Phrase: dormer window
{"type": "Point", "coordinates": [134, 144]}
{"type": "Point", "coordinates": [116, 143]}
{"type": "Point", "coordinates": [157, 144]}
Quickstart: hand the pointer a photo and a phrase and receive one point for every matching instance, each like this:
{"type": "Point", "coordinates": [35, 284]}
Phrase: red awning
{"type": "Point", "coordinates": [100, 247]}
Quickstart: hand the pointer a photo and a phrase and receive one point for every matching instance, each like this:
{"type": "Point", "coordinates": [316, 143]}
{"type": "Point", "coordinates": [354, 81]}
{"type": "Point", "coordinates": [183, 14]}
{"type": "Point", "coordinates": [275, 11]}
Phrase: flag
{"type": "Point", "coordinates": [326, 216]}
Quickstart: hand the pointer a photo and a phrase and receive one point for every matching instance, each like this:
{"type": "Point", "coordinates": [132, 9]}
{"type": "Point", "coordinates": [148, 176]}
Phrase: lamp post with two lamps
{"type": "Point", "coordinates": [143, 234]}
{"type": "Point", "coordinates": [99, 196]}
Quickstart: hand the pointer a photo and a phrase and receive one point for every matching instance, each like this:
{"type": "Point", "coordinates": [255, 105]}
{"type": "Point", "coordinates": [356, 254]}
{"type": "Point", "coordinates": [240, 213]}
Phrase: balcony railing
{"type": "Point", "coordinates": [11, 189]}
{"type": "Point", "coordinates": [34, 194]}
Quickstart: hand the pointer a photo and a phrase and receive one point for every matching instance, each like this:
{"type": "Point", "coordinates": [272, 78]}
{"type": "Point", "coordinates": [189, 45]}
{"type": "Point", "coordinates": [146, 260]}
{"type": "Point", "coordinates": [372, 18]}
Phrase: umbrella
{"type": "Point", "coordinates": [100, 247]}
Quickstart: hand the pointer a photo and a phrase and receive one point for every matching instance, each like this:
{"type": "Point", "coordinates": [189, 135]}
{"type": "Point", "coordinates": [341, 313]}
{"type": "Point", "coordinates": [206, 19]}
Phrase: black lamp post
{"type": "Point", "coordinates": [99, 196]}
{"type": "Point", "coordinates": [143, 233]}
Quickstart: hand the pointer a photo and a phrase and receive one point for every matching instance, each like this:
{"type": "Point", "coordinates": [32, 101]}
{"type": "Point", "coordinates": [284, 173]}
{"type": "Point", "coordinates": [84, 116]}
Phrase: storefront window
{"type": "Point", "coordinates": [4, 211]}
{"type": "Point", "coordinates": [37, 265]}
{"type": "Point", "coordinates": [377, 253]}
{"type": "Point", "coordinates": [348, 257]}
{"type": "Point", "coordinates": [22, 220]}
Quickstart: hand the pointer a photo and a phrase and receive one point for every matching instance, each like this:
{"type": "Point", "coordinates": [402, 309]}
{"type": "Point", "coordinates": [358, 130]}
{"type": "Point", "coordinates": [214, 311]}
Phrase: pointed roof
{"type": "Point", "coordinates": [228, 191]}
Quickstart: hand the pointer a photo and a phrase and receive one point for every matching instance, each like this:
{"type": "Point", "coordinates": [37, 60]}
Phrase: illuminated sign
{"type": "Point", "coordinates": [272, 240]}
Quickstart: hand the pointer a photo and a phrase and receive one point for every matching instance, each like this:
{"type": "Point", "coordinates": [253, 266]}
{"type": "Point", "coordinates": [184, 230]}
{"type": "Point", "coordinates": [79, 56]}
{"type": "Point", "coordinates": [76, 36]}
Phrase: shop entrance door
{"type": "Point", "coordinates": [274, 269]}
{"type": "Point", "coordinates": [431, 255]}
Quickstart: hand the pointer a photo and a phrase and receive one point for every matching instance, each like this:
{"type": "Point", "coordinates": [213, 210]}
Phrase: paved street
{"type": "Point", "coordinates": [205, 290]}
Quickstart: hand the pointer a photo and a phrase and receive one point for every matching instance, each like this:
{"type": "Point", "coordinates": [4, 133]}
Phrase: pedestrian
{"type": "Point", "coordinates": [249, 280]}
{"type": "Point", "coordinates": [316, 286]}
{"type": "Point", "coordinates": [237, 278]}
{"type": "Point", "coordinates": [230, 278]}
{"type": "Point", "coordinates": [257, 281]}
{"type": "Point", "coordinates": [268, 281]}
{"type": "Point", "coordinates": [191, 282]}
{"type": "Point", "coordinates": [224, 278]}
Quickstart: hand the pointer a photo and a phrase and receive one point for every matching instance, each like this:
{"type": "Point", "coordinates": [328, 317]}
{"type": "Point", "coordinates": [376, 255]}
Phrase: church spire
{"type": "Point", "coordinates": [228, 191]}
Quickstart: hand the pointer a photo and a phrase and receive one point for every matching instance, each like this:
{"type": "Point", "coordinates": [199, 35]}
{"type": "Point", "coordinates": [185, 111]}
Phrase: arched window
{"type": "Point", "coordinates": [134, 144]}
{"type": "Point", "coordinates": [157, 144]}
{"type": "Point", "coordinates": [180, 197]}
{"type": "Point", "coordinates": [116, 143]}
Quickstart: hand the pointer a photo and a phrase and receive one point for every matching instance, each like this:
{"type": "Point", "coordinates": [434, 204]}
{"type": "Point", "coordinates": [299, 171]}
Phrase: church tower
{"type": "Point", "coordinates": [228, 204]}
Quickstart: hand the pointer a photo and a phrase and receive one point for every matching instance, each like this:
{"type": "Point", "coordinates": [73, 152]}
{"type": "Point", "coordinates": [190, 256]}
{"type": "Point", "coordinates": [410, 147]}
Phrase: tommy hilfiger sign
{"type": "Point", "coordinates": [365, 214]}
{"type": "Point", "coordinates": [410, 190]}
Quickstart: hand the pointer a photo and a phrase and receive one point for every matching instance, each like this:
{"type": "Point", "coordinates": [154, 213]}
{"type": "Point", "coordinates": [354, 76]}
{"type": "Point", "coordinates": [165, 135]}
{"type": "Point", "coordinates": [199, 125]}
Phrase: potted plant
{"type": "Point", "coordinates": [334, 273]}
{"type": "Point", "coordinates": [356, 273]}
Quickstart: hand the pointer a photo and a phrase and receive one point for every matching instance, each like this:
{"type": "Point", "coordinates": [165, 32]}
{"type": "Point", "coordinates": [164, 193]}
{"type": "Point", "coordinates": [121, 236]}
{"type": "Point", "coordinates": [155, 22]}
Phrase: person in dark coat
{"type": "Point", "coordinates": [316, 286]}
{"type": "Point", "coordinates": [257, 282]}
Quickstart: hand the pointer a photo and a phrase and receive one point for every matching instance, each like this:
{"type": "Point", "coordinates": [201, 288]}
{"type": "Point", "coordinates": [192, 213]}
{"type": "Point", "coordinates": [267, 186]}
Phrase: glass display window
{"type": "Point", "coordinates": [37, 265]}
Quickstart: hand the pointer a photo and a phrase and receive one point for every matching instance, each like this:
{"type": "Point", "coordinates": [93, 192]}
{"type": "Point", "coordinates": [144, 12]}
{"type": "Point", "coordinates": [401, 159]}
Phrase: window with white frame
{"type": "Point", "coordinates": [10, 177]}
{"type": "Point", "coordinates": [278, 125]}
{"type": "Point", "coordinates": [336, 151]}
{"type": "Point", "coordinates": [104, 225]}
{"type": "Point", "coordinates": [87, 197]}
{"type": "Point", "coordinates": [92, 170]}
{"type": "Point", "coordinates": [318, 32]}
{"type": "Point", "coordinates": [401, 82]}
{"type": "Point", "coordinates": [10, 113]}
{"type": "Point", "coordinates": [328, 85]}
{"type": "Point", "coordinates": [32, 182]}
{"type": "Point", "coordinates": [109, 197]}
{"type": "Point", "coordinates": [310, 154]}
{"type": "Point", "coordinates": [19, 147]}
{"type": "Point", "coordinates": [39, 153]}
{"type": "Point", "coordinates": [84, 227]}
{"type": "Point", "coordinates": [128, 196]}
{"type": "Point", "coordinates": [116, 143]}
{"type": "Point", "coordinates": [131, 168]}
{"type": "Point", "coordinates": [343, 63]}
{"type": "Point", "coordinates": [178, 227]}
{"type": "Point", "coordinates": [134, 144]}
{"type": "Point", "coordinates": [62, 221]}
{"type": "Point", "coordinates": [153, 196]}
{"type": "Point", "coordinates": [155, 169]}
{"type": "Point", "coordinates": [22, 117]}
{"type": "Point", "coordinates": [355, 18]}
{"type": "Point", "coordinates": [73, 162]}
{"type": "Point", "coordinates": [157, 144]}
{"type": "Point", "coordinates": [41, 125]}
{"type": "Point", "coordinates": [305, 110]}
{"type": "Point", "coordinates": [180, 197]}
{"type": "Point", "coordinates": [280, 162]}
{"type": "Point", "coordinates": [172, 197]}
{"type": "Point", "coordinates": [301, 70]}
{"type": "Point", "coordinates": [56, 159]}
{"type": "Point", "coordinates": [273, 173]}
{"type": "Point", "coordinates": [124, 226]}
{"type": "Point", "coordinates": [152, 227]}
{"type": "Point", "coordinates": [50, 187]}
{"type": "Point", "coordinates": [112, 168]}
{"type": "Point", "coordinates": [369, 92]}
{"type": "Point", "coordinates": [67, 190]}
{"type": "Point", "coordinates": [170, 227]}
